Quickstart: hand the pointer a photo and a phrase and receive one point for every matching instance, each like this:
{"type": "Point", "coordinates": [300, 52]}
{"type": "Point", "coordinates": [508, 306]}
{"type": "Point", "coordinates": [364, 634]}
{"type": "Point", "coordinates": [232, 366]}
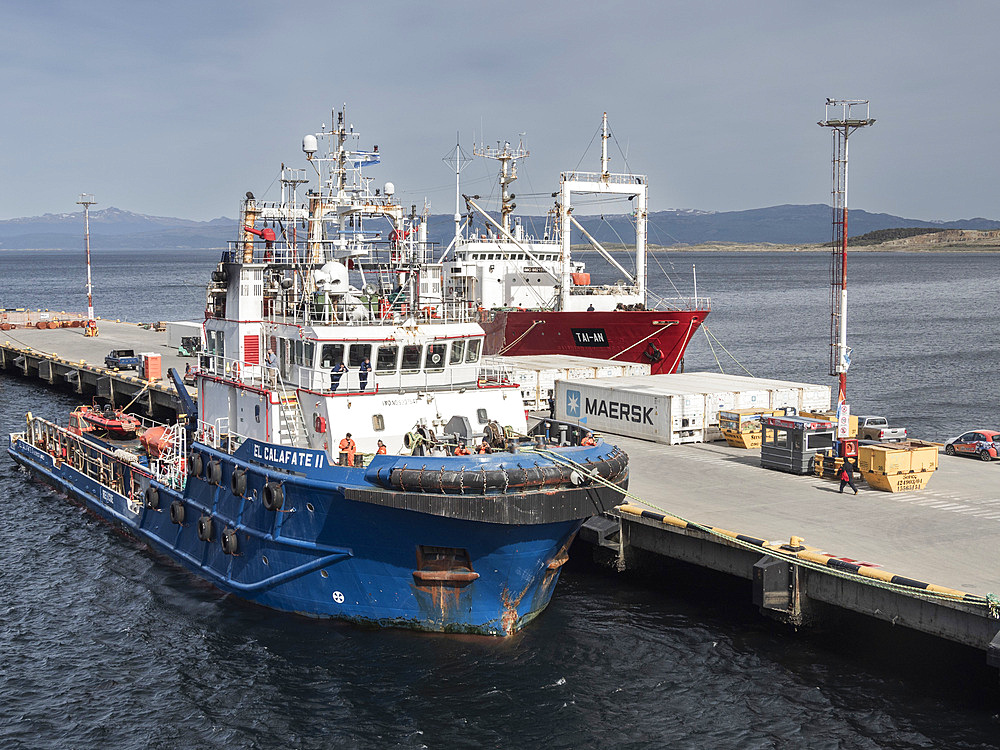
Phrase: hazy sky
{"type": "Point", "coordinates": [178, 108]}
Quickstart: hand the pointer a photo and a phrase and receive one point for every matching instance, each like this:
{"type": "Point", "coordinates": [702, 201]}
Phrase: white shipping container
{"type": "Point", "coordinates": [537, 375]}
{"type": "Point", "coordinates": [679, 408]}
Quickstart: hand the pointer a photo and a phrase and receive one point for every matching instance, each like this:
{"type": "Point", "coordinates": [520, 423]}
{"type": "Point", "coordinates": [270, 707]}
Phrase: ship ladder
{"type": "Point", "coordinates": [292, 423]}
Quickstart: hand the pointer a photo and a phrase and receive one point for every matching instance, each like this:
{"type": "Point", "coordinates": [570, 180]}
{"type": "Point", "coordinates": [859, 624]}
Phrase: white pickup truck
{"type": "Point", "coordinates": [877, 428]}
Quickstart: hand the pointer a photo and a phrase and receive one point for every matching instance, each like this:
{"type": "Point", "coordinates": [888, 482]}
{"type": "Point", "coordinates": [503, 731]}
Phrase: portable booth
{"type": "Point", "coordinates": [790, 443]}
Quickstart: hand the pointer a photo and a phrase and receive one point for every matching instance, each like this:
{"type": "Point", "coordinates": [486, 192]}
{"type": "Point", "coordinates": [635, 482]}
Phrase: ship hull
{"type": "Point", "coordinates": [371, 559]}
{"type": "Point", "coordinates": [656, 338]}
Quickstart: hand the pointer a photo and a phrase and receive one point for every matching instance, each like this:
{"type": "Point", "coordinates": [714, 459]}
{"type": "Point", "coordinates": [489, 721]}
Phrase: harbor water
{"type": "Point", "coordinates": [107, 645]}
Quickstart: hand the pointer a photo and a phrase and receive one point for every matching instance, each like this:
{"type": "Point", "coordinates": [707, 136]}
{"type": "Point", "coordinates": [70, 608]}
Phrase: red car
{"type": "Point", "coordinates": [982, 443]}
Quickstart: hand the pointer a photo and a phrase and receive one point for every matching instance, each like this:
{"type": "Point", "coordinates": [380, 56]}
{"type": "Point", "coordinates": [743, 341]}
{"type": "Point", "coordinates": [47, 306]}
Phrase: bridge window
{"type": "Point", "coordinates": [386, 360]}
{"type": "Point", "coordinates": [411, 358]}
{"type": "Point", "coordinates": [472, 353]}
{"type": "Point", "coordinates": [332, 355]}
{"type": "Point", "coordinates": [434, 361]}
{"type": "Point", "coordinates": [358, 354]}
{"type": "Point", "coordinates": [482, 416]}
{"type": "Point", "coordinates": [457, 352]}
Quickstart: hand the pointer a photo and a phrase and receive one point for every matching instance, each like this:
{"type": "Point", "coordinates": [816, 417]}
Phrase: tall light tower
{"type": "Point", "coordinates": [87, 200]}
{"type": "Point", "coordinates": [843, 116]}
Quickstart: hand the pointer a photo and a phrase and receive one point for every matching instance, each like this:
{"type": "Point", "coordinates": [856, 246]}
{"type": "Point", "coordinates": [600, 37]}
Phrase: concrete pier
{"type": "Point", "coordinates": [64, 357]}
{"type": "Point", "coordinates": [928, 559]}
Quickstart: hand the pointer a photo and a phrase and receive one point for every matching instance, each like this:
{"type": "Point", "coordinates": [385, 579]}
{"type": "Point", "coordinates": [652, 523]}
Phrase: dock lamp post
{"type": "Point", "coordinates": [843, 117]}
{"type": "Point", "coordinates": [87, 200]}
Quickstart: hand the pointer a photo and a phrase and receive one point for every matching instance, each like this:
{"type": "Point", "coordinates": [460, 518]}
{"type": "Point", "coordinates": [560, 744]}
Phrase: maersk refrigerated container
{"type": "Point", "coordinates": [677, 408]}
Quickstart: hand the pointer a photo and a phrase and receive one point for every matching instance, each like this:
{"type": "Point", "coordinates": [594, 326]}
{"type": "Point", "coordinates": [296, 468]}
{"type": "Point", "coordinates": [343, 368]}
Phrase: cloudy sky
{"type": "Point", "coordinates": [177, 108]}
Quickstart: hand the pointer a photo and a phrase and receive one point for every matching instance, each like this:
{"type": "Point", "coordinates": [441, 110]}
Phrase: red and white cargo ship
{"type": "Point", "coordinates": [534, 298]}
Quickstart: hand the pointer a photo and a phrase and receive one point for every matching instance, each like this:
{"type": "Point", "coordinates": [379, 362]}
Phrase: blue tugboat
{"type": "Point", "coordinates": [344, 458]}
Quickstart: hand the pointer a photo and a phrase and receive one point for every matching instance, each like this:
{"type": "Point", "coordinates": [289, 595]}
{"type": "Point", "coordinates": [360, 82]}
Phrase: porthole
{"type": "Point", "coordinates": [324, 574]}
{"type": "Point", "coordinates": [309, 507]}
{"type": "Point", "coordinates": [264, 560]}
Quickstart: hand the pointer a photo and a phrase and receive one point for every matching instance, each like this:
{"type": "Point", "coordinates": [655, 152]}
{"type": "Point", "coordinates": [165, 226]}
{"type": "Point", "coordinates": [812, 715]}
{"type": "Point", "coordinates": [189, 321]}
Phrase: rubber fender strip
{"type": "Point", "coordinates": [751, 540]}
{"type": "Point", "coordinates": [902, 581]}
{"type": "Point", "coordinates": [842, 565]}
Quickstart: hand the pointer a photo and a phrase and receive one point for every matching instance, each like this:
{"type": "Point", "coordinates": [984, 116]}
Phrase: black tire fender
{"type": "Point", "coordinates": [205, 528]}
{"type": "Point", "coordinates": [230, 542]}
{"type": "Point", "coordinates": [177, 512]}
{"type": "Point", "coordinates": [152, 498]}
{"type": "Point", "coordinates": [195, 464]}
{"type": "Point", "coordinates": [214, 472]}
{"type": "Point", "coordinates": [238, 482]}
{"type": "Point", "coordinates": [273, 496]}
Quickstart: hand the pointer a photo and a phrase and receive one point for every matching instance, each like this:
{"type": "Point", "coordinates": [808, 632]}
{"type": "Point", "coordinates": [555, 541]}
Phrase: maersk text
{"type": "Point", "coordinates": [619, 410]}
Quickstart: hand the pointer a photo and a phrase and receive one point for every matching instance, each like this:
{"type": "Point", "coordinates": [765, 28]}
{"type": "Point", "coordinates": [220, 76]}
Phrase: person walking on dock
{"type": "Point", "coordinates": [366, 367]}
{"type": "Point", "coordinates": [847, 474]}
{"type": "Point", "coordinates": [336, 374]}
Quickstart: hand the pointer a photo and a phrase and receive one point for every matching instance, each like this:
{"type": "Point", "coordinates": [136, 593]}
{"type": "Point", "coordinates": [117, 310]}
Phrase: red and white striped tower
{"type": "Point", "coordinates": [87, 200]}
{"type": "Point", "coordinates": [848, 115]}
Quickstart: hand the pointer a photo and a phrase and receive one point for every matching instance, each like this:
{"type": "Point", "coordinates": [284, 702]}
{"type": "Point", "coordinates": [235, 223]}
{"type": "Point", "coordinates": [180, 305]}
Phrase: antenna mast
{"type": "Point", "coordinates": [843, 116]}
{"type": "Point", "coordinates": [459, 160]}
{"type": "Point", "coordinates": [507, 155]}
{"type": "Point", "coordinates": [87, 200]}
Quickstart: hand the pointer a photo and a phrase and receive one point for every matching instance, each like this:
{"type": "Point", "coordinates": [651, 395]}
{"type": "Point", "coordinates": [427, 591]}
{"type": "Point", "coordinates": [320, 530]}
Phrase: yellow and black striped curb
{"type": "Point", "coordinates": [799, 551]}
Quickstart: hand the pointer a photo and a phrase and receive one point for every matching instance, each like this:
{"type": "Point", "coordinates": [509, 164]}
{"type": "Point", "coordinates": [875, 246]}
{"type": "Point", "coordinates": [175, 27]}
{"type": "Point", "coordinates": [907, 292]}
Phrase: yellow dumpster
{"type": "Point", "coordinates": [741, 427]}
{"type": "Point", "coordinates": [898, 467]}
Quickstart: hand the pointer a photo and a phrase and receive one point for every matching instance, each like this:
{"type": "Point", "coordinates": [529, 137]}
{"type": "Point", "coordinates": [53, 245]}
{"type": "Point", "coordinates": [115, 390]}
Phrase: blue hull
{"type": "Point", "coordinates": [324, 554]}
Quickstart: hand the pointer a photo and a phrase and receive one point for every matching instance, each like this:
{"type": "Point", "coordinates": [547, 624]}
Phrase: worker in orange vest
{"type": "Point", "coordinates": [461, 450]}
{"type": "Point", "coordinates": [484, 447]}
{"type": "Point", "coordinates": [381, 448]}
{"type": "Point", "coordinates": [588, 439]}
{"type": "Point", "coordinates": [348, 446]}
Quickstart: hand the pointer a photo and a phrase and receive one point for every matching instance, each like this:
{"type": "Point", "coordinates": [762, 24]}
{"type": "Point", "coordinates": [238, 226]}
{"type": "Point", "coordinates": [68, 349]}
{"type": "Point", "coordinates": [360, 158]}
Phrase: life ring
{"type": "Point", "coordinates": [319, 423]}
{"type": "Point", "coordinates": [273, 496]}
{"type": "Point", "coordinates": [152, 498]}
{"type": "Point", "coordinates": [230, 542]}
{"type": "Point", "coordinates": [209, 434]}
{"type": "Point", "coordinates": [238, 482]}
{"type": "Point", "coordinates": [205, 528]}
{"type": "Point", "coordinates": [177, 512]}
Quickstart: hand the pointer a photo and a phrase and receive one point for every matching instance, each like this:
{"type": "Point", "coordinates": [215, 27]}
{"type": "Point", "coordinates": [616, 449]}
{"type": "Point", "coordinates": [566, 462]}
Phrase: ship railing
{"type": "Point", "coordinates": [365, 246]}
{"type": "Point", "coordinates": [681, 303]}
{"type": "Point", "coordinates": [372, 311]}
{"type": "Point", "coordinates": [216, 434]}
{"type": "Point", "coordinates": [103, 465]}
{"type": "Point", "coordinates": [611, 178]}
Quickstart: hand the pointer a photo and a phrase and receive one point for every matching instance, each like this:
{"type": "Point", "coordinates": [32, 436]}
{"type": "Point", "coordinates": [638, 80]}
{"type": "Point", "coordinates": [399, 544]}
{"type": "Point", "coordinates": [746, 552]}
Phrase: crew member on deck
{"type": "Point", "coordinates": [381, 448]}
{"type": "Point", "coordinates": [588, 439]}
{"type": "Point", "coordinates": [366, 367]}
{"type": "Point", "coordinates": [484, 447]}
{"type": "Point", "coordinates": [348, 449]}
{"type": "Point", "coordinates": [335, 374]}
{"type": "Point", "coordinates": [461, 450]}
{"type": "Point", "coordinates": [590, 308]}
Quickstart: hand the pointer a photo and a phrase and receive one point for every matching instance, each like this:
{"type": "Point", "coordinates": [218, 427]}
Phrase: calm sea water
{"type": "Point", "coordinates": [106, 645]}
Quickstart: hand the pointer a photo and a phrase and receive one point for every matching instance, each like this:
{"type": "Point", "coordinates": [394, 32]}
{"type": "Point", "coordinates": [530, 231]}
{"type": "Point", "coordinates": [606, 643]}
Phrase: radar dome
{"type": "Point", "coordinates": [389, 188]}
{"type": "Point", "coordinates": [309, 144]}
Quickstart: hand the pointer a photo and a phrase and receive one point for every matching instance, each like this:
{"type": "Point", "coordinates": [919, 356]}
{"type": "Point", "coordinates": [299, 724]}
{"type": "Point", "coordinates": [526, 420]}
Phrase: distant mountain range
{"type": "Point", "coordinates": [785, 225]}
